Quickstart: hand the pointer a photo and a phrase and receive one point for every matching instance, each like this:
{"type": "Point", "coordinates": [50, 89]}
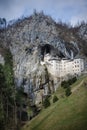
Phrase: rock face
{"type": "Point", "coordinates": [2, 60]}
{"type": "Point", "coordinates": [82, 31]}
{"type": "Point", "coordinates": [29, 40]}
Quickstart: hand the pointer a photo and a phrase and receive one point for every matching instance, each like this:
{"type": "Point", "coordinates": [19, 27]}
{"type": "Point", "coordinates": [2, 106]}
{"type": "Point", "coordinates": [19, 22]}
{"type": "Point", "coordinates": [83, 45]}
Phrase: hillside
{"type": "Point", "coordinates": [24, 45]}
{"type": "Point", "coordinates": [69, 113]}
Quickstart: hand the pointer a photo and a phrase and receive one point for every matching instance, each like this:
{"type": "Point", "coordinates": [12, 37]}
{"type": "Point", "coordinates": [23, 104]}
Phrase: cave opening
{"type": "Point", "coordinates": [45, 49]}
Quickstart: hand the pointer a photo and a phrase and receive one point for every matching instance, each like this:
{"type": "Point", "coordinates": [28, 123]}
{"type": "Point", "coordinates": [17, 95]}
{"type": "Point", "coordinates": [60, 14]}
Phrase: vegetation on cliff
{"type": "Point", "coordinates": [7, 93]}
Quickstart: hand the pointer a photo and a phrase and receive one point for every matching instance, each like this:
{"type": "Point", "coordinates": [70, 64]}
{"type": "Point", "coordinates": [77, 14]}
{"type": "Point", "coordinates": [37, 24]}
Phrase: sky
{"type": "Point", "coordinates": [68, 11]}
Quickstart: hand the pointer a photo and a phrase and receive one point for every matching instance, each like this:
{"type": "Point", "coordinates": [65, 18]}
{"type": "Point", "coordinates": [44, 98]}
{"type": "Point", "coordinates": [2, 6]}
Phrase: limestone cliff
{"type": "Point", "coordinates": [29, 39]}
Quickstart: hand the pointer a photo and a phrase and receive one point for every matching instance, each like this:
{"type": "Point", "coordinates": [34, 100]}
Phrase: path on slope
{"type": "Point", "coordinates": [77, 86]}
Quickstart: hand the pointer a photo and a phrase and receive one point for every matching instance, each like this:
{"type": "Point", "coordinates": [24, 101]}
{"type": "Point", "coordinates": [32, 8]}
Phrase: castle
{"type": "Point", "coordinates": [61, 67]}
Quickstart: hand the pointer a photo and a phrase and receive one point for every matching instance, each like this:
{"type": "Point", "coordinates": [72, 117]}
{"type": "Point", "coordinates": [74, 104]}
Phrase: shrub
{"type": "Point", "coordinates": [74, 79]}
{"type": "Point", "coordinates": [64, 84]}
{"type": "Point", "coordinates": [46, 102]}
{"type": "Point", "coordinates": [55, 99]}
{"type": "Point", "coordinates": [24, 116]}
{"type": "Point", "coordinates": [68, 91]}
{"type": "Point", "coordinates": [71, 81]}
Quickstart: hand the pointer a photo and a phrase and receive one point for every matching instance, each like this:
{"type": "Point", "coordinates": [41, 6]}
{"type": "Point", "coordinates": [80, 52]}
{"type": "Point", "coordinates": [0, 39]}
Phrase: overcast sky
{"type": "Point", "coordinates": [66, 10]}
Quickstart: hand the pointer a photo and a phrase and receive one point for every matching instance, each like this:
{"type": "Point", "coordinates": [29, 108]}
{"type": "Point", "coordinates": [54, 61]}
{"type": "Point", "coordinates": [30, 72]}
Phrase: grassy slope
{"type": "Point", "coordinates": [69, 113]}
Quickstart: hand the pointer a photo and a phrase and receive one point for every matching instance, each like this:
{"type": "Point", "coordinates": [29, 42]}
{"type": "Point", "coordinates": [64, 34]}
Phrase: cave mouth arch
{"type": "Point", "coordinates": [46, 49]}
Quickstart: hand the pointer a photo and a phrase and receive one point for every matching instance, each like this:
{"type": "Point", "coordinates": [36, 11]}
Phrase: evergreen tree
{"type": "Point", "coordinates": [68, 91]}
{"type": "Point", "coordinates": [46, 102]}
{"type": "Point", "coordinates": [7, 94]}
{"type": "Point", "coordinates": [2, 87]}
{"type": "Point", "coordinates": [55, 99]}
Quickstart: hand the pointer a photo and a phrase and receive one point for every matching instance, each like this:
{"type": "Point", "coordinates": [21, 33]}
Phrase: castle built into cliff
{"type": "Point", "coordinates": [61, 67]}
